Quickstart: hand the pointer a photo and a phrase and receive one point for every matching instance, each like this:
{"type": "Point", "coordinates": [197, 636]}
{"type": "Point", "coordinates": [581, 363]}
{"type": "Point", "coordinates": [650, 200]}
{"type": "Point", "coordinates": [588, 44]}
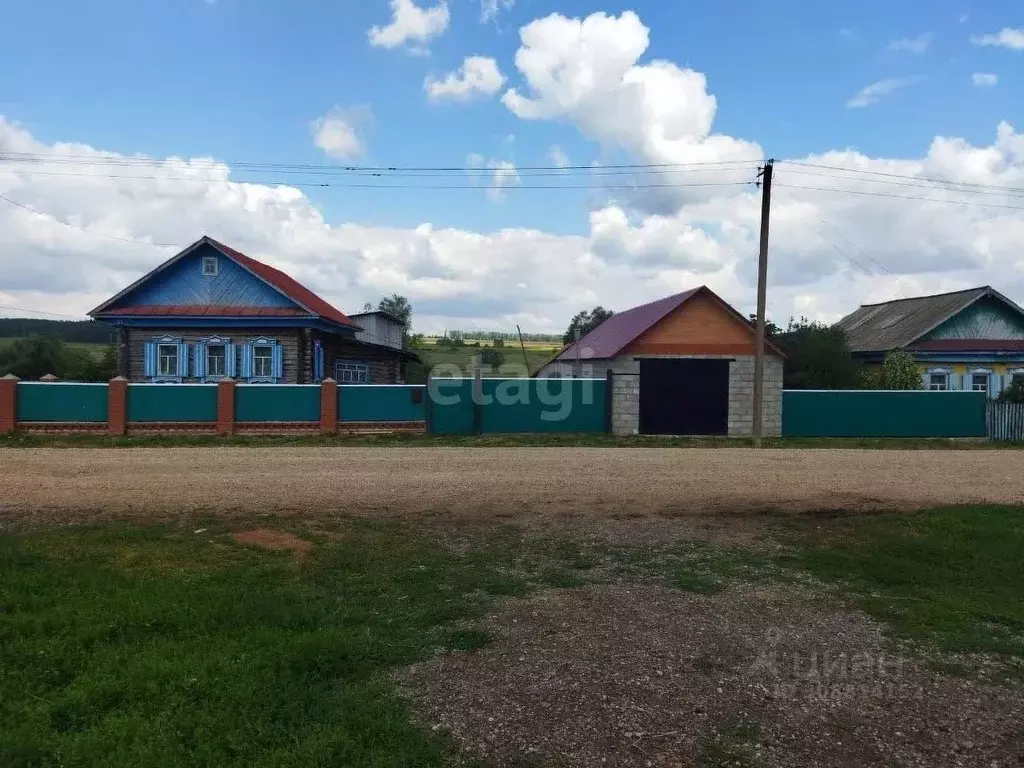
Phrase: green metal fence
{"type": "Point", "coordinates": [277, 402]}
{"type": "Point", "coordinates": [517, 405]}
{"type": "Point", "coordinates": [868, 413]}
{"type": "Point", "coordinates": [381, 402]}
{"type": "Point", "coordinates": [61, 402]}
{"type": "Point", "coordinates": [171, 403]}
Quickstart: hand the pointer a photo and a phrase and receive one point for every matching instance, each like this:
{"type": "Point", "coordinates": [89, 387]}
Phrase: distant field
{"type": "Point", "coordinates": [462, 357]}
{"type": "Point", "coordinates": [528, 344]}
{"type": "Point", "coordinates": [96, 350]}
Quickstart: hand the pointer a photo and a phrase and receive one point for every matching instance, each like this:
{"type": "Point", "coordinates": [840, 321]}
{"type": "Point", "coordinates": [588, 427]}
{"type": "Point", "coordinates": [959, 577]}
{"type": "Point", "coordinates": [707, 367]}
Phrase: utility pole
{"type": "Point", "coordinates": [762, 278]}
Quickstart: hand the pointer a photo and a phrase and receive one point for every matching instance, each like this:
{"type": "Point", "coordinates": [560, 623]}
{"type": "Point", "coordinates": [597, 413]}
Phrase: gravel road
{"type": "Point", "coordinates": [71, 484]}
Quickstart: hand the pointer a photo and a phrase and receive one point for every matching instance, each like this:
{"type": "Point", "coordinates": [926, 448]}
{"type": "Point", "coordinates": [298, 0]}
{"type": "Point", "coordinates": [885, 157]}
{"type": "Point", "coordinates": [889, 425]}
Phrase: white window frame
{"type": "Point", "coordinates": [258, 359]}
{"type": "Point", "coordinates": [161, 373]}
{"type": "Point", "coordinates": [932, 387]}
{"type": "Point", "coordinates": [988, 373]}
{"type": "Point", "coordinates": [223, 346]}
{"type": "Point", "coordinates": [351, 372]}
{"type": "Point", "coordinates": [211, 266]}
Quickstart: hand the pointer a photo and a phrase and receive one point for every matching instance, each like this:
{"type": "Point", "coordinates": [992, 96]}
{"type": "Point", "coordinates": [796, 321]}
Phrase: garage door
{"type": "Point", "coordinates": [684, 397]}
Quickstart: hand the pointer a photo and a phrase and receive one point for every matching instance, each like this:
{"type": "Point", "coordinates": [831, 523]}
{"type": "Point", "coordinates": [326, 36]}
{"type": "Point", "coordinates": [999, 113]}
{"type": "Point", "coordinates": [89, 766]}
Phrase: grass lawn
{"type": "Point", "coordinates": [161, 646]}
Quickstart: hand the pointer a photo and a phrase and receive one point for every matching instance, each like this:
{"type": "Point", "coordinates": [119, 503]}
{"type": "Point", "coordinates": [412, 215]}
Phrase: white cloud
{"type": "Point", "coordinates": [1005, 38]}
{"type": "Point", "coordinates": [503, 175]}
{"type": "Point", "coordinates": [621, 254]}
{"type": "Point", "coordinates": [849, 33]}
{"type": "Point", "coordinates": [478, 76]}
{"type": "Point", "coordinates": [984, 79]}
{"type": "Point", "coordinates": [586, 72]}
{"type": "Point", "coordinates": [875, 92]}
{"type": "Point", "coordinates": [336, 132]}
{"type": "Point", "coordinates": [917, 44]}
{"type": "Point", "coordinates": [557, 157]}
{"type": "Point", "coordinates": [489, 9]}
{"type": "Point", "coordinates": [964, 18]}
{"type": "Point", "coordinates": [411, 26]}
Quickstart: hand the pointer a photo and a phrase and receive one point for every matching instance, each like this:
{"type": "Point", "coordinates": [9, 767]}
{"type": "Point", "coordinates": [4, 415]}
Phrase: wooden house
{"type": "Point", "coordinates": [964, 340]}
{"type": "Point", "coordinates": [212, 312]}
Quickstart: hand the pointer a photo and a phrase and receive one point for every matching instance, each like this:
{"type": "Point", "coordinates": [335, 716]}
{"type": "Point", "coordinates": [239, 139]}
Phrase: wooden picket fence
{"type": "Point", "coordinates": [1004, 421]}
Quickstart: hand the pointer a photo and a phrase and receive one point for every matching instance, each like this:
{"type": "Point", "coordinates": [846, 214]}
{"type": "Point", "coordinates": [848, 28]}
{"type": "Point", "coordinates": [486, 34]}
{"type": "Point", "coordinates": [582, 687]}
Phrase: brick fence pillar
{"type": "Point", "coordinates": [8, 403]}
{"type": "Point", "coordinates": [328, 406]}
{"type": "Point", "coordinates": [117, 405]}
{"type": "Point", "coordinates": [226, 407]}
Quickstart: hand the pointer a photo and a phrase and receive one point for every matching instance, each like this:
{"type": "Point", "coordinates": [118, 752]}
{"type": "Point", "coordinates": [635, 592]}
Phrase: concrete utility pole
{"type": "Point", "coordinates": [762, 279]}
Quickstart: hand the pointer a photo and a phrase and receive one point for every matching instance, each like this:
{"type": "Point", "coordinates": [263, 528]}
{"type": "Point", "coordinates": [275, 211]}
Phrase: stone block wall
{"type": "Point", "coordinates": [625, 404]}
{"type": "Point", "coordinates": [741, 396]}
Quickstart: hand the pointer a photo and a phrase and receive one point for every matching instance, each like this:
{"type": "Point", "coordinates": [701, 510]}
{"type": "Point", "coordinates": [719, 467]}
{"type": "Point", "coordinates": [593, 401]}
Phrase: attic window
{"type": "Point", "coordinates": [209, 266]}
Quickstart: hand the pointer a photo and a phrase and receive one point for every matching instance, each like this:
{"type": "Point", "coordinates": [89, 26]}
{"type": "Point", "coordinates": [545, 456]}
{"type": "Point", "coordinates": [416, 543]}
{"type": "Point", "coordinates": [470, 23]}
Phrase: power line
{"type": "Point", "coordinates": [39, 312]}
{"type": "Point", "coordinates": [930, 184]}
{"type": "Point", "coordinates": [363, 185]}
{"type": "Point", "coordinates": [136, 162]}
{"type": "Point", "coordinates": [901, 176]}
{"type": "Point", "coordinates": [902, 197]}
{"type": "Point", "coordinates": [839, 232]}
{"type": "Point", "coordinates": [82, 229]}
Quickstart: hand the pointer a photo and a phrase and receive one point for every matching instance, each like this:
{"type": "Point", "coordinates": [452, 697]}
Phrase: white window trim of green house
{"type": "Point", "coordinates": [1011, 373]}
{"type": "Point", "coordinates": [945, 371]}
{"type": "Point", "coordinates": [991, 381]}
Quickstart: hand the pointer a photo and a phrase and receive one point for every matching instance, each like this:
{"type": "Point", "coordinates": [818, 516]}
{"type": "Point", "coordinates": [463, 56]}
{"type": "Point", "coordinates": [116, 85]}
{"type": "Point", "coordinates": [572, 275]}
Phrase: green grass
{"type": "Point", "coordinates": [462, 357]}
{"type": "Point", "coordinates": [125, 646]}
{"type": "Point", "coordinates": [591, 440]}
{"type": "Point", "coordinates": [128, 647]}
{"type": "Point", "coordinates": [951, 577]}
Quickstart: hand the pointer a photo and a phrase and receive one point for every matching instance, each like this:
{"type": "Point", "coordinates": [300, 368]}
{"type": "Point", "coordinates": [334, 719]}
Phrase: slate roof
{"type": "Point", "coordinates": [899, 323]}
{"type": "Point", "coordinates": [309, 302]}
{"type": "Point", "coordinates": [622, 328]}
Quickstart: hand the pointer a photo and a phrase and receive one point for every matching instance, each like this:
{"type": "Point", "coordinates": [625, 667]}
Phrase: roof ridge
{"type": "Point", "coordinates": [929, 296]}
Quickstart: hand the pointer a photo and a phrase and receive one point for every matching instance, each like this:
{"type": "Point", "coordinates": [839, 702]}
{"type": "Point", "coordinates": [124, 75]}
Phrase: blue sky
{"type": "Point", "coordinates": [243, 80]}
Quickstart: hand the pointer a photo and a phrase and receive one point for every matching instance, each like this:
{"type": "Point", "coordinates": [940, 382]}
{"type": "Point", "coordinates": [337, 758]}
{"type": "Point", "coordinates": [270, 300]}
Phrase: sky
{"type": "Point", "coordinates": [593, 152]}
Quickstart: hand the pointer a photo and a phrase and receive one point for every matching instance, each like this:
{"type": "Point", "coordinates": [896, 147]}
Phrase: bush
{"type": "Point", "coordinates": [1015, 392]}
{"type": "Point", "coordinates": [33, 357]}
{"type": "Point", "coordinates": [899, 371]}
{"type": "Point", "coordinates": [492, 357]}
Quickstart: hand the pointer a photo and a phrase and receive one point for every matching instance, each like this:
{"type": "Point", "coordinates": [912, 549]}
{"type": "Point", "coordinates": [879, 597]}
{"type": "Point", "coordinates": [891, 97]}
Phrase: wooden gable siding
{"type": "Point", "coordinates": [986, 318]}
{"type": "Point", "coordinates": [183, 283]}
{"type": "Point", "coordinates": [289, 338]}
{"type": "Point", "coordinates": [701, 326]}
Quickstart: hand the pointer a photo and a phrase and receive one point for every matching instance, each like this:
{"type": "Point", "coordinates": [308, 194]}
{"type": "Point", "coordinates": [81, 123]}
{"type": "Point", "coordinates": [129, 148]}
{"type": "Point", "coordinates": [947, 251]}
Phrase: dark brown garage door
{"type": "Point", "coordinates": [684, 397]}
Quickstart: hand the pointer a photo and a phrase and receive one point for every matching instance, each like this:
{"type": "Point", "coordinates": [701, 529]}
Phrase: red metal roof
{"type": "Point", "coordinates": [969, 345]}
{"type": "Point", "coordinates": [288, 285]}
{"type": "Point", "coordinates": [616, 333]}
{"type": "Point", "coordinates": [200, 310]}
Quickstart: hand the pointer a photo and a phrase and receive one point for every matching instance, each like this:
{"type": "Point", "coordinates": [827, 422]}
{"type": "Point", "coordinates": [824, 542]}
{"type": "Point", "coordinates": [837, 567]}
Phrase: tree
{"type": "Point", "coordinates": [398, 307]}
{"type": "Point", "coordinates": [35, 356]}
{"type": "Point", "coordinates": [585, 322]}
{"type": "Point", "coordinates": [899, 371]}
{"type": "Point", "coordinates": [1014, 393]}
{"type": "Point", "coordinates": [817, 356]}
{"type": "Point", "coordinates": [492, 357]}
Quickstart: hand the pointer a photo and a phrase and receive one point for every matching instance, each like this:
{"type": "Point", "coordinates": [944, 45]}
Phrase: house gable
{"type": "Point", "coordinates": [987, 318]}
{"type": "Point", "coordinates": [700, 326]}
{"type": "Point", "coordinates": [183, 283]}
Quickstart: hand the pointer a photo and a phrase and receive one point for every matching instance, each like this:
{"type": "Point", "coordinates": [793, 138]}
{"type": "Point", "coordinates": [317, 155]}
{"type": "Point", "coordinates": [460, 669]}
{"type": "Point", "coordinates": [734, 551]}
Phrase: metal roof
{"type": "Point", "coordinates": [622, 328]}
{"type": "Point", "coordinates": [895, 324]}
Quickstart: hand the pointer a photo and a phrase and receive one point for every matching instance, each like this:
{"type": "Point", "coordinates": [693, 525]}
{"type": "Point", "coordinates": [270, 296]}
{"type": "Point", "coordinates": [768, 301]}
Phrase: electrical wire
{"type": "Point", "coordinates": [82, 229]}
{"type": "Point", "coordinates": [930, 184]}
{"type": "Point", "coordinates": [40, 312]}
{"type": "Point", "coordinates": [899, 175]}
{"type": "Point", "coordinates": [901, 197]}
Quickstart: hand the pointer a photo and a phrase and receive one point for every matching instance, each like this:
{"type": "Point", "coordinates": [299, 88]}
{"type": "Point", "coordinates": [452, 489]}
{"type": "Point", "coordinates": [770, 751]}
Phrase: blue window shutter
{"type": "Point", "coordinates": [183, 359]}
{"type": "Point", "coordinates": [199, 360]}
{"type": "Point", "coordinates": [149, 359]}
{"type": "Point", "coordinates": [954, 381]}
{"type": "Point", "coordinates": [229, 360]}
{"type": "Point", "coordinates": [276, 362]}
{"type": "Point", "coordinates": [247, 361]}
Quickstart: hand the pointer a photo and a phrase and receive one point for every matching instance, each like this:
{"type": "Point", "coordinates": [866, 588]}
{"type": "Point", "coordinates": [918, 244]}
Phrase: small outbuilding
{"type": "Point", "coordinates": [682, 365]}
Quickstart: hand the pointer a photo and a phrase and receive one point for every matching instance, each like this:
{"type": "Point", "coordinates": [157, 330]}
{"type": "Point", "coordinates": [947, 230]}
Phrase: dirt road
{"type": "Point", "coordinates": [66, 485]}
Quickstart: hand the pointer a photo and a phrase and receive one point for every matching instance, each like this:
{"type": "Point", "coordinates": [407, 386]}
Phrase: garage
{"type": "Point", "coordinates": [681, 365]}
{"type": "Point", "coordinates": [684, 396]}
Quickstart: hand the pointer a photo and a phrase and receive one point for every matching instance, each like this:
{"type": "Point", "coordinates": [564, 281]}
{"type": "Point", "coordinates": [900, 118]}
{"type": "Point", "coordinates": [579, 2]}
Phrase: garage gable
{"type": "Point", "coordinates": [701, 326]}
